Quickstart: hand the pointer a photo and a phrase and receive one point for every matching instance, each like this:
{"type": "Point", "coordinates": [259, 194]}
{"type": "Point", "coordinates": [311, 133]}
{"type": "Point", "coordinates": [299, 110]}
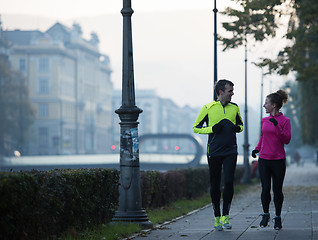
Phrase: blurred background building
{"type": "Point", "coordinates": [70, 86]}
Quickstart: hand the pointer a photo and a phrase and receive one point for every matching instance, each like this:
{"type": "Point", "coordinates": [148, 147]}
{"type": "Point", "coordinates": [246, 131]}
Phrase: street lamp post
{"type": "Point", "coordinates": [246, 177]}
{"type": "Point", "coordinates": [215, 10]}
{"type": "Point", "coordinates": [261, 105]}
{"type": "Point", "coordinates": [62, 122]}
{"type": "Point", "coordinates": [129, 209]}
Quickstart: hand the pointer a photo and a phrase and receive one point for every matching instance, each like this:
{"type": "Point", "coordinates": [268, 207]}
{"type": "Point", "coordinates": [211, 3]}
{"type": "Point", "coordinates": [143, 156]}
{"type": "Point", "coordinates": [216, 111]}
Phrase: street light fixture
{"type": "Point", "coordinates": [130, 195]}
{"type": "Point", "coordinates": [215, 10]}
{"type": "Point", "coordinates": [261, 104]}
{"type": "Point", "coordinates": [247, 176]}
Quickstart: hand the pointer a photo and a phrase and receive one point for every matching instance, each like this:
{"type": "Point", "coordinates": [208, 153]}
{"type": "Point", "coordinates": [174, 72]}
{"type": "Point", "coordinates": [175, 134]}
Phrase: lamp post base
{"type": "Point", "coordinates": [137, 217]}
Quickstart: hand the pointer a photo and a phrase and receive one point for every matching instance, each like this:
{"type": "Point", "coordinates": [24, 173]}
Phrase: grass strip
{"type": "Point", "coordinates": [182, 207]}
{"type": "Point", "coordinates": [177, 209]}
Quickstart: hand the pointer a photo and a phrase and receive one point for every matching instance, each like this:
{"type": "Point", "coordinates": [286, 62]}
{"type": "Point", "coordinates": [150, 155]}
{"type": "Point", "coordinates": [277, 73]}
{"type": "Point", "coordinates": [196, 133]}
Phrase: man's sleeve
{"type": "Point", "coordinates": [239, 120]}
{"type": "Point", "coordinates": [202, 118]}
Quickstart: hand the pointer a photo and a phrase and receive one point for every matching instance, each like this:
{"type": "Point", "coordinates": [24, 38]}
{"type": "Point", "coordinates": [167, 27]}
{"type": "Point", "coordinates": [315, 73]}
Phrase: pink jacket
{"type": "Point", "coordinates": [273, 138]}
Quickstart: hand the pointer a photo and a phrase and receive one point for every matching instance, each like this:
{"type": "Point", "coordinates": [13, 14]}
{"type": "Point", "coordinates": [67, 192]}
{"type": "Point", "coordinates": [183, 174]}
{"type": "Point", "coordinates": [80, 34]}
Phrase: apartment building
{"type": "Point", "coordinates": [70, 87]}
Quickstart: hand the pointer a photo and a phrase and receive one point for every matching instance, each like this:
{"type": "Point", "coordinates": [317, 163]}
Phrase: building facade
{"type": "Point", "coordinates": [70, 86]}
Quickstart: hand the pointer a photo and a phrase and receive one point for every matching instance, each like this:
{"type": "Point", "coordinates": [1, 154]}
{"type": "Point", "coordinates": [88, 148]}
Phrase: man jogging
{"type": "Point", "coordinates": [221, 120]}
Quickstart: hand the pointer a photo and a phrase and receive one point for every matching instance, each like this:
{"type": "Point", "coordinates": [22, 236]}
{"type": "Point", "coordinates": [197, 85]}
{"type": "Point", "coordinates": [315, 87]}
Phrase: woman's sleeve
{"type": "Point", "coordinates": [284, 131]}
{"type": "Point", "coordinates": [260, 141]}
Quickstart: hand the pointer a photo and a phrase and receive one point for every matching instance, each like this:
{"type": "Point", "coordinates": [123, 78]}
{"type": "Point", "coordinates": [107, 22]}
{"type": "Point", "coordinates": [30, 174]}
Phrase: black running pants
{"type": "Point", "coordinates": [272, 170]}
{"type": "Point", "coordinates": [215, 165]}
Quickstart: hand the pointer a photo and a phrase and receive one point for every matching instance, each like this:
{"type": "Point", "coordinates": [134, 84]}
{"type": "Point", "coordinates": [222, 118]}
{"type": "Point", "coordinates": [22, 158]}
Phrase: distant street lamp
{"type": "Point", "coordinates": [261, 104]}
{"type": "Point", "coordinates": [130, 195]}
{"type": "Point", "coordinates": [62, 122]}
{"type": "Point", "coordinates": [262, 96]}
{"type": "Point", "coordinates": [215, 10]}
{"type": "Point", "coordinates": [247, 176]}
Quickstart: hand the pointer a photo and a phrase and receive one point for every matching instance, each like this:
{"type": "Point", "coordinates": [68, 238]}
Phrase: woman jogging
{"type": "Point", "coordinates": [272, 158]}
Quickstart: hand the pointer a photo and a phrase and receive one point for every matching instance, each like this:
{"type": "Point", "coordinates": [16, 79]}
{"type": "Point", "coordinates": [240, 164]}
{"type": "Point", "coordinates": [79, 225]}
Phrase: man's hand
{"type": "Point", "coordinates": [254, 153]}
{"type": "Point", "coordinates": [236, 128]}
{"type": "Point", "coordinates": [273, 120]}
{"type": "Point", "coordinates": [217, 128]}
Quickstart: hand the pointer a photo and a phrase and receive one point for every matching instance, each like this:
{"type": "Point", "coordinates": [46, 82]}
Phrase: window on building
{"type": "Point", "coordinates": [44, 65]}
{"type": "Point", "coordinates": [43, 136]}
{"type": "Point", "coordinates": [44, 85]}
{"type": "Point", "coordinates": [22, 65]}
{"type": "Point", "coordinates": [43, 110]}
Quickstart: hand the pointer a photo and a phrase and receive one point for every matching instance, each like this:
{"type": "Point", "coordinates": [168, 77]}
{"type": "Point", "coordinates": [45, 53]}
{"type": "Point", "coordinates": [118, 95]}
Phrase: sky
{"type": "Point", "coordinates": [172, 44]}
{"type": "Point", "coordinates": [62, 9]}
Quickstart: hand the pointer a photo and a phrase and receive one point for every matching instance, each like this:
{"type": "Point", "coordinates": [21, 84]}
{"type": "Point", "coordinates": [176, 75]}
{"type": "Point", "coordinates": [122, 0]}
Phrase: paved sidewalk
{"type": "Point", "coordinates": [299, 214]}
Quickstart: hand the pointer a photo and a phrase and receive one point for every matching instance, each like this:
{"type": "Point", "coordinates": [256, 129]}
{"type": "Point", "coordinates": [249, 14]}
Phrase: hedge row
{"type": "Point", "coordinates": [37, 204]}
{"type": "Point", "coordinates": [160, 188]}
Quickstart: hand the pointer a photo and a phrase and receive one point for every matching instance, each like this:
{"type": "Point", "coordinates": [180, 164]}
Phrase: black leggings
{"type": "Point", "coordinates": [215, 166]}
{"type": "Point", "coordinates": [268, 170]}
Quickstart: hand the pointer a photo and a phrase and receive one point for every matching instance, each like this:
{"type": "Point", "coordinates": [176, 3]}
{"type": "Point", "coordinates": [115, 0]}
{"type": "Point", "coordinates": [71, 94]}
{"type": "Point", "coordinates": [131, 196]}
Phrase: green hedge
{"type": "Point", "coordinates": [37, 204]}
{"type": "Point", "coordinates": [161, 188]}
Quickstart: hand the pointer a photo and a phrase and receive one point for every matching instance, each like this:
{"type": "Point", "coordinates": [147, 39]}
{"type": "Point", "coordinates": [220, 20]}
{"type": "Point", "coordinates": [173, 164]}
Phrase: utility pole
{"type": "Point", "coordinates": [215, 10]}
{"type": "Point", "coordinates": [130, 195]}
{"type": "Point", "coordinates": [247, 175]}
{"type": "Point", "coordinates": [261, 105]}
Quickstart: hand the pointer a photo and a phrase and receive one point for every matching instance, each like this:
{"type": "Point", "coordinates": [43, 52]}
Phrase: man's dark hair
{"type": "Point", "coordinates": [220, 85]}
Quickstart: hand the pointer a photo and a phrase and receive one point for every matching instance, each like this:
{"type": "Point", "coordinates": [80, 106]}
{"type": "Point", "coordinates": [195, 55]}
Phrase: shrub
{"type": "Point", "coordinates": [159, 189]}
{"type": "Point", "coordinates": [38, 204]}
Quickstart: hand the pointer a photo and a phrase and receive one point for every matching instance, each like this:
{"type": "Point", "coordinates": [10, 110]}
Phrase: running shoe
{"type": "Point", "coordinates": [265, 220]}
{"type": "Point", "coordinates": [226, 222]}
{"type": "Point", "coordinates": [217, 224]}
{"type": "Point", "coordinates": [277, 223]}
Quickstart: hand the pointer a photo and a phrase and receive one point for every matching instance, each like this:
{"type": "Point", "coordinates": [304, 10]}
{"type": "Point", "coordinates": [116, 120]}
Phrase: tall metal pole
{"type": "Point", "coordinates": [129, 209]}
{"type": "Point", "coordinates": [76, 109]}
{"type": "Point", "coordinates": [61, 128]}
{"type": "Point", "coordinates": [215, 48]}
{"type": "Point", "coordinates": [246, 176]}
{"type": "Point", "coordinates": [261, 104]}
{"type": "Point", "coordinates": [21, 115]}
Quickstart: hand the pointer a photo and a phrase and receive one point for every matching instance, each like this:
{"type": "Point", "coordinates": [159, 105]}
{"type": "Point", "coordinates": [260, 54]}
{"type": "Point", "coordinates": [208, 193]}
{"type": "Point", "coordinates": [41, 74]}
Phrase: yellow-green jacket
{"type": "Point", "coordinates": [224, 142]}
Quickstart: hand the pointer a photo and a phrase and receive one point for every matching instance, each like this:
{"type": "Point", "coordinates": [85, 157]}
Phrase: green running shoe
{"type": "Point", "coordinates": [217, 224]}
{"type": "Point", "coordinates": [226, 222]}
